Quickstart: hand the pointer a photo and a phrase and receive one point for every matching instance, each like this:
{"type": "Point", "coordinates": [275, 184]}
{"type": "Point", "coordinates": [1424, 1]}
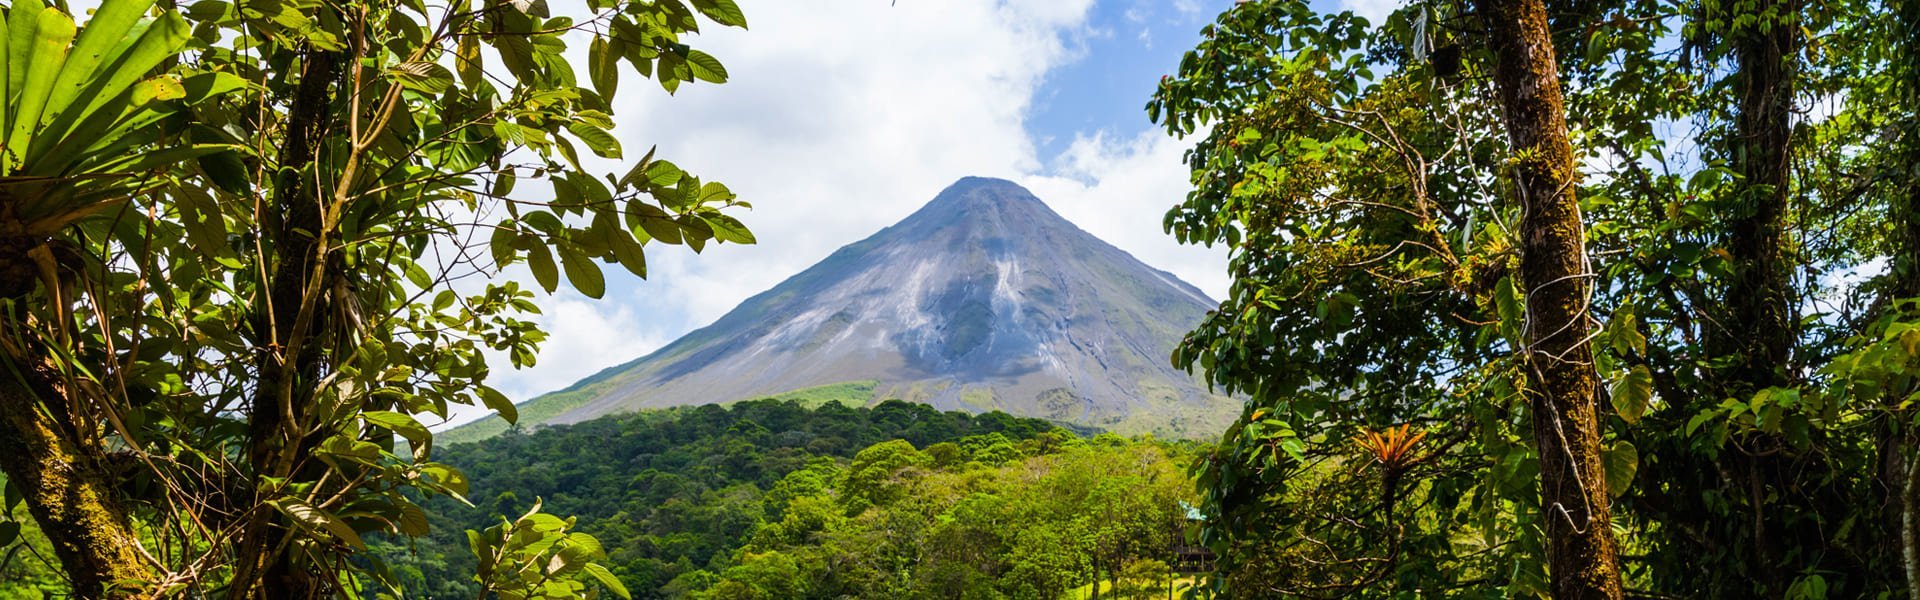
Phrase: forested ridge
{"type": "Point", "coordinates": [772, 499]}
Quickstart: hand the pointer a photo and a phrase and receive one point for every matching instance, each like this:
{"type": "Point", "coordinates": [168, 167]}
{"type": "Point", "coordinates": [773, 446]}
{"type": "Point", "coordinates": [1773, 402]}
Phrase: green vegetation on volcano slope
{"type": "Point", "coordinates": [688, 500]}
{"type": "Point", "coordinates": [540, 410]}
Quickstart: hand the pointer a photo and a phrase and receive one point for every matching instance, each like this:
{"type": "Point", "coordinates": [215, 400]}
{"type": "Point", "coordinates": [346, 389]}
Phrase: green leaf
{"type": "Point", "coordinates": [317, 520]}
{"type": "Point", "coordinates": [1626, 333]}
{"type": "Point", "coordinates": [1512, 308]}
{"type": "Point", "coordinates": [724, 12]}
{"type": "Point", "coordinates": [663, 173]}
{"type": "Point", "coordinates": [705, 67]}
{"type": "Point", "coordinates": [500, 244]}
{"type": "Point", "coordinates": [448, 477]}
{"type": "Point", "coordinates": [583, 273]}
{"type": "Point", "coordinates": [499, 402]}
{"type": "Point", "coordinates": [1621, 461]}
{"type": "Point", "coordinates": [630, 253]}
{"type": "Point", "coordinates": [480, 551]}
{"type": "Point", "coordinates": [654, 221]}
{"type": "Point", "coordinates": [399, 423]}
{"type": "Point", "coordinates": [10, 530]}
{"type": "Point", "coordinates": [10, 497]}
{"type": "Point", "coordinates": [1632, 393]}
{"type": "Point", "coordinates": [466, 59]}
{"type": "Point", "coordinates": [46, 55]}
{"type": "Point", "coordinates": [425, 77]}
{"type": "Point", "coordinates": [606, 578]}
{"type": "Point", "coordinates": [503, 183]}
{"type": "Point", "coordinates": [597, 139]}
{"type": "Point", "coordinates": [227, 171]}
{"type": "Point", "coordinates": [540, 260]}
{"type": "Point", "coordinates": [413, 521]}
{"type": "Point", "coordinates": [109, 26]}
{"type": "Point", "coordinates": [728, 229]}
{"type": "Point", "coordinates": [111, 95]}
{"type": "Point", "coordinates": [603, 67]}
{"type": "Point", "coordinates": [20, 28]}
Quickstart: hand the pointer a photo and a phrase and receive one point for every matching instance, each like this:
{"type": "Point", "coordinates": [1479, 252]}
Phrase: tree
{"type": "Point", "coordinates": [235, 238]}
{"type": "Point", "coordinates": [1558, 281]}
{"type": "Point", "coordinates": [1748, 270]}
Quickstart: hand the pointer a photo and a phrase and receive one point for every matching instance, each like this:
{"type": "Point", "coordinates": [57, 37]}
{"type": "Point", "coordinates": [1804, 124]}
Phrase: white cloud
{"type": "Point", "coordinates": [841, 118]}
{"type": "Point", "coordinates": [1119, 190]}
{"type": "Point", "coordinates": [584, 336]}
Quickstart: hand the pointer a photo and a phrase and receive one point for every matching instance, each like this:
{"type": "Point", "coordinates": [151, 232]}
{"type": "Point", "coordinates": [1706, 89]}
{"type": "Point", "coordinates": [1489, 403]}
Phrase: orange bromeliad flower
{"type": "Point", "coordinates": [1393, 447]}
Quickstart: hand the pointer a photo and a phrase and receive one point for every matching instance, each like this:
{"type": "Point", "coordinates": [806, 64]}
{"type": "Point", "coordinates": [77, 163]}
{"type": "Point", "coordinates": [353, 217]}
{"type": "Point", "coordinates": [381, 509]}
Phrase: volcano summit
{"type": "Point", "coordinates": [984, 299]}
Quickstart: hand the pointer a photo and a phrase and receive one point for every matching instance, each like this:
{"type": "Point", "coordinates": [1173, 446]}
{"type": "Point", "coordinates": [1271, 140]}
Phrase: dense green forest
{"type": "Point", "coordinates": [776, 499]}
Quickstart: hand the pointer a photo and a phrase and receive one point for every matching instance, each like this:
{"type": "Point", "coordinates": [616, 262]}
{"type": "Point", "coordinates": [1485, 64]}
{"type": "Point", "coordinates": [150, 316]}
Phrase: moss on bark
{"type": "Point", "coordinates": [1581, 554]}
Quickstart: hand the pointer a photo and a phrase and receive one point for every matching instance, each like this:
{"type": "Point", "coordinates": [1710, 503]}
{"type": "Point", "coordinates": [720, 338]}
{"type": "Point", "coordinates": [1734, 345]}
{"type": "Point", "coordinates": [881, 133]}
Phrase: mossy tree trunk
{"type": "Point", "coordinates": [69, 487]}
{"type": "Point", "coordinates": [285, 322]}
{"type": "Point", "coordinates": [1562, 384]}
{"type": "Point", "coordinates": [1900, 443]}
{"type": "Point", "coordinates": [1758, 326]}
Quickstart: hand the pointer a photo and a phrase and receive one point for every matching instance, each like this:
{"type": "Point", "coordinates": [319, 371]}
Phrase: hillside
{"type": "Point", "coordinates": [690, 501]}
{"type": "Point", "coordinates": [984, 299]}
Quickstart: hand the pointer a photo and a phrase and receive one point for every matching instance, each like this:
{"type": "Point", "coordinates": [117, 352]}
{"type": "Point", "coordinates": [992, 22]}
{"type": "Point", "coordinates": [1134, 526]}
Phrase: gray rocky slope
{"type": "Point", "coordinates": [983, 299]}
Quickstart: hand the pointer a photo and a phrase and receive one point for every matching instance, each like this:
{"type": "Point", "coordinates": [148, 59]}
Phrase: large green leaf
{"type": "Point", "coordinates": [20, 26]}
{"type": "Point", "coordinates": [1632, 393]}
{"type": "Point", "coordinates": [540, 260]}
{"type": "Point", "coordinates": [705, 67]}
{"type": "Point", "coordinates": [46, 55]}
{"type": "Point", "coordinates": [1622, 462]}
{"type": "Point", "coordinates": [318, 520]}
{"type": "Point", "coordinates": [583, 273]}
{"type": "Point", "coordinates": [399, 423]}
{"type": "Point", "coordinates": [724, 12]}
{"type": "Point", "coordinates": [597, 139]}
{"type": "Point", "coordinates": [107, 28]}
{"type": "Point", "coordinates": [606, 578]}
{"type": "Point", "coordinates": [110, 95]}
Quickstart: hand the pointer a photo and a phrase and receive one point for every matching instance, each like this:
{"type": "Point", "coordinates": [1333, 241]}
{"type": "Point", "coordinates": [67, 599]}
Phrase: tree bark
{"type": "Point", "coordinates": [1562, 386]}
{"type": "Point", "coordinates": [69, 489]}
{"type": "Point", "coordinates": [283, 326]}
{"type": "Point", "coordinates": [1910, 528]}
{"type": "Point", "coordinates": [1759, 326]}
{"type": "Point", "coordinates": [1906, 284]}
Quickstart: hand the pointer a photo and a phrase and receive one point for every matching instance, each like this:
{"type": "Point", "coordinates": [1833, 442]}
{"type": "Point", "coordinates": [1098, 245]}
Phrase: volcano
{"type": "Point", "coordinates": [984, 299]}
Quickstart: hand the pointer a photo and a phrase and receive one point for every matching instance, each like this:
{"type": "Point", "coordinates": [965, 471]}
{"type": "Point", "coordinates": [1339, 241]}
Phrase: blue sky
{"type": "Point", "coordinates": [843, 116]}
{"type": "Point", "coordinates": [1130, 44]}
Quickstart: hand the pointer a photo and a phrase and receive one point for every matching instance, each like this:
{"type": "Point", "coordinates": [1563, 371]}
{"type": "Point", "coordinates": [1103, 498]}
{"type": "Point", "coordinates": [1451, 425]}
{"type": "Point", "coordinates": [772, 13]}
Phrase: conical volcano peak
{"type": "Point", "coordinates": [986, 201]}
{"type": "Point", "coordinates": [989, 189]}
{"type": "Point", "coordinates": [984, 299]}
{"type": "Point", "coordinates": [983, 192]}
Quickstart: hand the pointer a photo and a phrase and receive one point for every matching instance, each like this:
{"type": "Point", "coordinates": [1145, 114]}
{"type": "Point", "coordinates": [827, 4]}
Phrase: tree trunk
{"type": "Point", "coordinates": [69, 490]}
{"type": "Point", "coordinates": [1553, 269]}
{"type": "Point", "coordinates": [1910, 527]}
{"type": "Point", "coordinates": [1759, 324]}
{"type": "Point", "coordinates": [1906, 284]}
{"type": "Point", "coordinates": [1906, 259]}
{"type": "Point", "coordinates": [283, 327]}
